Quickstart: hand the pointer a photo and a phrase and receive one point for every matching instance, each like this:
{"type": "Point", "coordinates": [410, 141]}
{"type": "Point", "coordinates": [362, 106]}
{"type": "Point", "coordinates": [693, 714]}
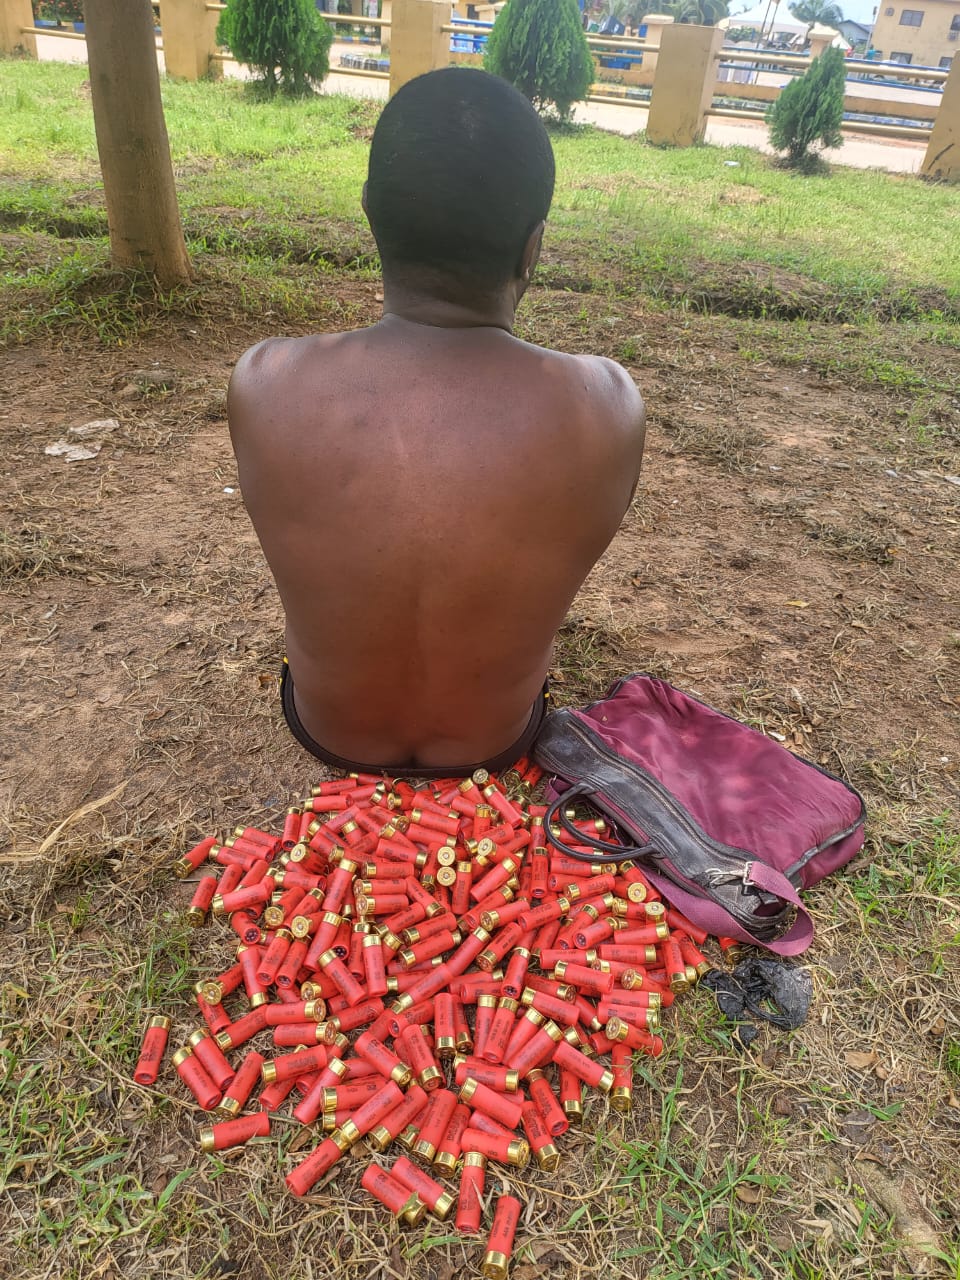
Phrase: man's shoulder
{"type": "Point", "coordinates": [269, 376]}
{"type": "Point", "coordinates": [271, 357]}
{"type": "Point", "coordinates": [596, 376]}
{"type": "Point", "coordinates": [608, 398]}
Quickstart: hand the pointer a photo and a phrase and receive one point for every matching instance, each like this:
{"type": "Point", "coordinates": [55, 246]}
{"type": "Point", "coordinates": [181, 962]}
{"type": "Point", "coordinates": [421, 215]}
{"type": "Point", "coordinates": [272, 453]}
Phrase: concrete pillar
{"type": "Point", "coordinates": [683, 87]}
{"type": "Point", "coordinates": [189, 38]}
{"type": "Point", "coordinates": [942, 158]}
{"type": "Point", "coordinates": [819, 38]}
{"type": "Point", "coordinates": [14, 16]}
{"type": "Point", "coordinates": [655, 24]}
{"type": "Point", "coordinates": [417, 43]}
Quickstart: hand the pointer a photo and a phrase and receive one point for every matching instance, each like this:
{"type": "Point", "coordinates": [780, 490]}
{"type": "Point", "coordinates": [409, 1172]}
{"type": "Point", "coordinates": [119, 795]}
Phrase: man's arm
{"type": "Point", "coordinates": [625, 414]}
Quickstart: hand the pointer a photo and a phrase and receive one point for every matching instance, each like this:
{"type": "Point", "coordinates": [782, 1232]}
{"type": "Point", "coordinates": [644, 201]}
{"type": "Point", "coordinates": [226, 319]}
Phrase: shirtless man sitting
{"type": "Point", "coordinates": [431, 492]}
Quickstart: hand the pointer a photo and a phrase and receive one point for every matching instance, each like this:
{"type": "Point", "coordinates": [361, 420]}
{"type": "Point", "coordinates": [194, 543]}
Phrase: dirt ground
{"type": "Point", "coordinates": [791, 557]}
{"type": "Point", "coordinates": [790, 554]}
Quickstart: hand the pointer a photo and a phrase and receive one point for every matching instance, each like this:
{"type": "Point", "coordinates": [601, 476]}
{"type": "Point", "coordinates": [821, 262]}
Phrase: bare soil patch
{"type": "Point", "coordinates": [791, 557]}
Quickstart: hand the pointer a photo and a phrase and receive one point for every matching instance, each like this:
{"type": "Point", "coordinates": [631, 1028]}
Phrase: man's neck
{"type": "Point", "coordinates": [496, 311]}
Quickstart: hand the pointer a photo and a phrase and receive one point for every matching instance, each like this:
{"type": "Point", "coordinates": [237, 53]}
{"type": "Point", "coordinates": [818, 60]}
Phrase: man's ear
{"type": "Point", "coordinates": [531, 252]}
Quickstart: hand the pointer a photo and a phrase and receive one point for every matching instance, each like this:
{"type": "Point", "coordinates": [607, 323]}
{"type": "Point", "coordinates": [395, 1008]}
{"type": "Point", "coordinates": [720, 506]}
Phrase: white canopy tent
{"type": "Point", "coordinates": [773, 19]}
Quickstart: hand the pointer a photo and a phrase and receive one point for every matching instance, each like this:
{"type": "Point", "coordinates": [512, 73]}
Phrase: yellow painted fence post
{"type": "Point", "coordinates": [189, 38]}
{"type": "Point", "coordinates": [655, 24]}
{"type": "Point", "coordinates": [14, 16]}
{"type": "Point", "coordinates": [942, 158]}
{"type": "Point", "coordinates": [819, 40]}
{"type": "Point", "coordinates": [683, 86]}
{"type": "Point", "coordinates": [417, 42]}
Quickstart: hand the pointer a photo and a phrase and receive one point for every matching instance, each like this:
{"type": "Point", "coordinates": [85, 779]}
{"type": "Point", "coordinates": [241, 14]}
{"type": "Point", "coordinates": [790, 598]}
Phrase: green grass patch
{"type": "Point", "coordinates": [720, 230]}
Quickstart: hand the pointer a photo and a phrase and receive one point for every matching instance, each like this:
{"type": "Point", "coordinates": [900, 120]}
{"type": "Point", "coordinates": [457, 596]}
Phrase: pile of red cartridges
{"type": "Point", "coordinates": [434, 977]}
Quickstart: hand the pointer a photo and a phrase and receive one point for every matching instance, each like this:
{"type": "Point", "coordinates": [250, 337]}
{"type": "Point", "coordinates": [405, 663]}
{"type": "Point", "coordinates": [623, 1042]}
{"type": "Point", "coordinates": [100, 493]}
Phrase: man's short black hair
{"type": "Point", "coordinates": [461, 172]}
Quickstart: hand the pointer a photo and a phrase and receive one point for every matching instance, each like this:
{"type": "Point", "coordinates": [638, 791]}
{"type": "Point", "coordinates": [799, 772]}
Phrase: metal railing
{"type": "Point", "coordinates": [61, 33]}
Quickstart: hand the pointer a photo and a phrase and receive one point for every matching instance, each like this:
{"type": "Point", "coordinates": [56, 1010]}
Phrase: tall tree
{"type": "Point", "coordinates": [822, 11]}
{"type": "Point", "coordinates": [142, 212]}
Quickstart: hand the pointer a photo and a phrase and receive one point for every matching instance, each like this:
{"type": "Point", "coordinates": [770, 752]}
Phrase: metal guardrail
{"type": "Point", "coordinates": [349, 19]}
{"type": "Point", "coordinates": [627, 44]}
{"type": "Point", "coordinates": [352, 20]}
{"type": "Point", "coordinates": [61, 33]}
{"type": "Point", "coordinates": [767, 58]}
{"type": "Point", "coordinates": [357, 71]}
{"type": "Point", "coordinates": [917, 133]}
{"type": "Point", "coordinates": [604, 92]}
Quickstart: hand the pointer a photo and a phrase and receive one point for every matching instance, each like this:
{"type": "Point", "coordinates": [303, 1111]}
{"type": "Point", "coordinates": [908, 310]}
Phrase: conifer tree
{"type": "Point", "coordinates": [810, 110]}
{"type": "Point", "coordinates": [539, 46]}
{"type": "Point", "coordinates": [287, 41]}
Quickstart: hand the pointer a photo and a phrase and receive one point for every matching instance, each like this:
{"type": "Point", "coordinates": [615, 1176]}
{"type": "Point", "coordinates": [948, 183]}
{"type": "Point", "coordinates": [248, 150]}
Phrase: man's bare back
{"type": "Point", "coordinates": [429, 493]}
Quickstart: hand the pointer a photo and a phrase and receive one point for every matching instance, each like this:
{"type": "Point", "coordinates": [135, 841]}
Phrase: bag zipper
{"type": "Point", "coordinates": [655, 789]}
{"type": "Point", "coordinates": [796, 867]}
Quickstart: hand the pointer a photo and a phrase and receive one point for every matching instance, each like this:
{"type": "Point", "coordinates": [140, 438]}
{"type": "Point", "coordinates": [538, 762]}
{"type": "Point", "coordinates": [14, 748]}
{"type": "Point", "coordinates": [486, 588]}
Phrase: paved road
{"type": "Point", "coordinates": [861, 152]}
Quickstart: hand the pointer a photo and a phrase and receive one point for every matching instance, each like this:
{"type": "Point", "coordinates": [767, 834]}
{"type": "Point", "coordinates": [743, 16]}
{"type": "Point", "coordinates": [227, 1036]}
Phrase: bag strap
{"type": "Point", "coordinates": [712, 917]}
{"type": "Point", "coordinates": [709, 915]}
{"type": "Point", "coordinates": [604, 850]}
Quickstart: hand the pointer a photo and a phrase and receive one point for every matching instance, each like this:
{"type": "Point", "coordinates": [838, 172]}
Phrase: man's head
{"type": "Point", "coordinates": [460, 182]}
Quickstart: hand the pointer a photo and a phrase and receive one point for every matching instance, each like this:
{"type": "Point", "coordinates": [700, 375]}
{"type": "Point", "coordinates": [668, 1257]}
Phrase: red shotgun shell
{"type": "Point", "coordinates": [234, 1133]}
{"type": "Point", "coordinates": [570, 1090]}
{"type": "Point", "coordinates": [317, 1163]}
{"type": "Point", "coordinates": [243, 1084]}
{"type": "Point", "coordinates": [554, 1117]}
{"type": "Point", "coordinates": [501, 1028]}
{"type": "Point", "coordinates": [437, 1200]}
{"type": "Point", "coordinates": [210, 1056]}
{"type": "Point", "coordinates": [538, 1049]}
{"type": "Point", "coordinates": [538, 1135]}
{"type": "Point", "coordinates": [621, 1060]}
{"type": "Point", "coordinates": [373, 965]}
{"type": "Point", "coordinates": [501, 1147]}
{"type": "Point", "coordinates": [500, 1244]}
{"type": "Point", "coordinates": [382, 1059]}
{"type": "Point", "coordinates": [291, 1066]}
{"type": "Point", "coordinates": [621, 1032]}
{"type": "Point", "coordinates": [335, 969]}
{"type": "Point", "coordinates": [204, 893]}
{"type": "Point", "coordinates": [372, 1112]}
{"type": "Point", "coordinates": [194, 857]}
{"type": "Point", "coordinates": [434, 1123]}
{"type": "Point", "coordinates": [498, 1106]}
{"type": "Point", "coordinates": [444, 1025]}
{"type": "Point", "coordinates": [423, 1064]}
{"type": "Point", "coordinates": [470, 1198]}
{"type": "Point", "coordinates": [448, 1148]}
{"type": "Point", "coordinates": [403, 1114]}
{"type": "Point", "coordinates": [152, 1050]}
{"type": "Point", "coordinates": [503, 1079]}
{"type": "Point", "coordinates": [196, 1079]}
{"type": "Point", "coordinates": [584, 979]}
{"type": "Point", "coordinates": [582, 1067]}
{"type": "Point", "coordinates": [391, 1192]}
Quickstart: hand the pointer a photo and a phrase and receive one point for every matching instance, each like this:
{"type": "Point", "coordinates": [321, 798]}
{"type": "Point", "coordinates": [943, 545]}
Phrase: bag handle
{"type": "Point", "coordinates": [707, 913]}
{"type": "Point", "coordinates": [605, 851]}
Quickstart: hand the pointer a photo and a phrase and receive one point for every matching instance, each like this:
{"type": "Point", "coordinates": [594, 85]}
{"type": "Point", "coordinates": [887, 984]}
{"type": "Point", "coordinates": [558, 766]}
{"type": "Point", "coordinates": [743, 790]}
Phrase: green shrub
{"type": "Point", "coordinates": [539, 46]}
{"type": "Point", "coordinates": [810, 110]}
{"type": "Point", "coordinates": [287, 41]}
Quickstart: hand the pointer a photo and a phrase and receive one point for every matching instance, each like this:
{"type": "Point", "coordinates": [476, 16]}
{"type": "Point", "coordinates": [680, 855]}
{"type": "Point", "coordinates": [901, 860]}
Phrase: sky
{"type": "Point", "coordinates": [858, 10]}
